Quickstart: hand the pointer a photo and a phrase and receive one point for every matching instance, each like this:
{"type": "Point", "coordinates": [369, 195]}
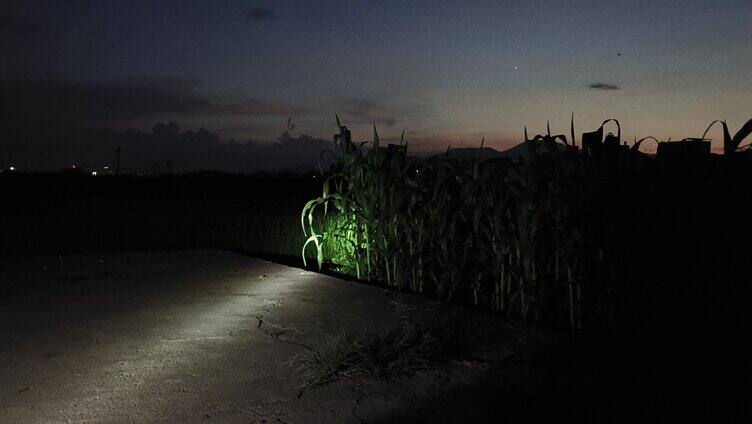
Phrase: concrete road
{"type": "Point", "coordinates": [186, 336]}
{"type": "Point", "coordinates": [209, 336]}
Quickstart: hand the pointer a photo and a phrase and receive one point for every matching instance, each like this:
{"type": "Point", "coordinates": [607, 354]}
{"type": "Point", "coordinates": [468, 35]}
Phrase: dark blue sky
{"type": "Point", "coordinates": [447, 71]}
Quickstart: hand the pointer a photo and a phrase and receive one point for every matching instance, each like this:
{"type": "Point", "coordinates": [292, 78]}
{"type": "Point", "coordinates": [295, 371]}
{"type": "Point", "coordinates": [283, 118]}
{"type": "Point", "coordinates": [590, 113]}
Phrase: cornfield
{"type": "Point", "coordinates": [512, 235]}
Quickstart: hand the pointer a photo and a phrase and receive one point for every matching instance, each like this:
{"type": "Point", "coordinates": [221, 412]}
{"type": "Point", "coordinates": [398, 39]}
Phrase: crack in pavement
{"type": "Point", "coordinates": [277, 332]}
{"type": "Point", "coordinates": [356, 398]}
{"type": "Point", "coordinates": [355, 414]}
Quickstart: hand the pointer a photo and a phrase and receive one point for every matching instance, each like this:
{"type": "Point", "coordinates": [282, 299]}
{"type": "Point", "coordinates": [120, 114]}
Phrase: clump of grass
{"type": "Point", "coordinates": [401, 350]}
{"type": "Point", "coordinates": [333, 356]}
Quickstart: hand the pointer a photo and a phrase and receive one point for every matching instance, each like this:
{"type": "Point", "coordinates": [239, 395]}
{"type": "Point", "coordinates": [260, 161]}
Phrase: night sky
{"type": "Point", "coordinates": [448, 72]}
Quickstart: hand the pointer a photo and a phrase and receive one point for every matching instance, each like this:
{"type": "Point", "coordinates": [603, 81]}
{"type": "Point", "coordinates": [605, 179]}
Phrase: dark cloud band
{"type": "Point", "coordinates": [12, 26]}
{"type": "Point", "coordinates": [603, 86]}
{"type": "Point", "coordinates": [72, 104]}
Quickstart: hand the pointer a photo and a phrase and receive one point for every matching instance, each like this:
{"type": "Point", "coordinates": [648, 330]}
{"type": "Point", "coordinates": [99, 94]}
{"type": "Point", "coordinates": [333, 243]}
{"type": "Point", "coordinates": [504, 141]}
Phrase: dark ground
{"type": "Point", "coordinates": [65, 213]}
{"type": "Point", "coordinates": [189, 336]}
{"type": "Point", "coordinates": [686, 355]}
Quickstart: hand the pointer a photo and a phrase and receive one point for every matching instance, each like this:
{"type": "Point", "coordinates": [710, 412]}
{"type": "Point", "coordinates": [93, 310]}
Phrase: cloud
{"type": "Point", "coordinates": [260, 14]}
{"type": "Point", "coordinates": [87, 102]}
{"type": "Point", "coordinates": [70, 104]}
{"type": "Point", "coordinates": [253, 107]}
{"type": "Point", "coordinates": [14, 26]}
{"type": "Point", "coordinates": [366, 110]}
{"type": "Point", "coordinates": [603, 86]}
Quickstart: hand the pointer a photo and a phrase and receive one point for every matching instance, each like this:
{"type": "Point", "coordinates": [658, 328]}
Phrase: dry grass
{"type": "Point", "coordinates": [408, 347]}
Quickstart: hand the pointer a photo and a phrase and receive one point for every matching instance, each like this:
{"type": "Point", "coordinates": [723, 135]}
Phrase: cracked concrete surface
{"type": "Point", "coordinates": [187, 336]}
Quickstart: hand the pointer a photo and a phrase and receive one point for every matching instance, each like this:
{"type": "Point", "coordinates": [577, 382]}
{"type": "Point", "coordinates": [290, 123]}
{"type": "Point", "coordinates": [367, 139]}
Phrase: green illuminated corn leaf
{"type": "Point", "coordinates": [314, 238]}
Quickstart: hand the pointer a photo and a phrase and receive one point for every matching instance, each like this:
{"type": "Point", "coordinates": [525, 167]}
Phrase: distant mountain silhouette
{"type": "Point", "coordinates": [490, 153]}
{"type": "Point", "coordinates": [473, 153]}
{"type": "Point", "coordinates": [521, 150]}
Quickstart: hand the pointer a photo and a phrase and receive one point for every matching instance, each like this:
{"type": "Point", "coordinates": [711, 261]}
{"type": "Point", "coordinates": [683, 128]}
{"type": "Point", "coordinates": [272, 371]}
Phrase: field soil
{"type": "Point", "coordinates": [212, 336]}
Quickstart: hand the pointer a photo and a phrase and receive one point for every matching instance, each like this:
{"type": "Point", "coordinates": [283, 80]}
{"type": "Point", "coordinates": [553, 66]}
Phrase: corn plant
{"type": "Point", "coordinates": [731, 144]}
{"type": "Point", "coordinates": [504, 234]}
{"type": "Point", "coordinates": [495, 233]}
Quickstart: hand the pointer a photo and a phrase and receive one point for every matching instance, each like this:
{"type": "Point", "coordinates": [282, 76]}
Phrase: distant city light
{"type": "Point", "coordinates": [12, 168]}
